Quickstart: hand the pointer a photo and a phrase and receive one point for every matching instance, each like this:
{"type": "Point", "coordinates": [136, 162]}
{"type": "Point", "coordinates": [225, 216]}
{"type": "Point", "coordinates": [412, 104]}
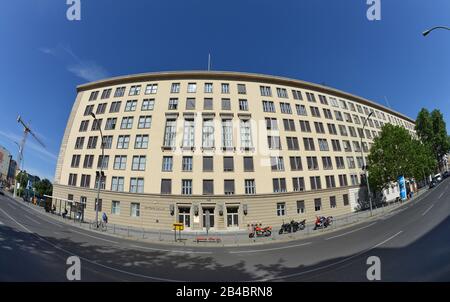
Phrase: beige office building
{"type": "Point", "coordinates": [247, 148]}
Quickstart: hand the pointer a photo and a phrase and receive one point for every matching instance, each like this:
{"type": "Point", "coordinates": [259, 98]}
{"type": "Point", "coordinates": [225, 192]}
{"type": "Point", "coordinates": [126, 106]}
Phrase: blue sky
{"type": "Point", "coordinates": [43, 56]}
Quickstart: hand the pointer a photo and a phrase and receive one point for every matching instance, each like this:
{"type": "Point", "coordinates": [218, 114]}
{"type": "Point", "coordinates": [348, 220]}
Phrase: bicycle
{"type": "Point", "coordinates": [101, 225]}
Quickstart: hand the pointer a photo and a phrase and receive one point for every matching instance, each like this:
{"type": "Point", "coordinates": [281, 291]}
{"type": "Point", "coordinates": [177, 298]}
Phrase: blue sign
{"type": "Point", "coordinates": [402, 186]}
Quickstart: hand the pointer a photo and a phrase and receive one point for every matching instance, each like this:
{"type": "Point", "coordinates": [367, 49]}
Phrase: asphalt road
{"type": "Point", "coordinates": [412, 243]}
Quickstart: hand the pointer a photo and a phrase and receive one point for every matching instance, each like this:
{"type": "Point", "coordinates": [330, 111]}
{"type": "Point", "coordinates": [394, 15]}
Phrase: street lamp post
{"type": "Point", "coordinates": [364, 162]}
{"type": "Point", "coordinates": [100, 176]}
{"type": "Point", "coordinates": [427, 32]}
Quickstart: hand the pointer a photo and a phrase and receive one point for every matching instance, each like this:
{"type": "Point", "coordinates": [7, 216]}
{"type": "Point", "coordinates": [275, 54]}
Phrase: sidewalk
{"type": "Point", "coordinates": [236, 238]}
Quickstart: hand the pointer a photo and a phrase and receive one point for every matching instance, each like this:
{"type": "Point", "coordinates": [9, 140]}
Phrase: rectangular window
{"type": "Point", "coordinates": [115, 107]}
{"type": "Point", "coordinates": [327, 163]}
{"type": "Point", "coordinates": [323, 99]}
{"type": "Point", "coordinates": [312, 163]}
{"type": "Point", "coordinates": [170, 133]}
{"type": "Point", "coordinates": [208, 187]}
{"type": "Point", "coordinates": [274, 142]}
{"type": "Point", "coordinates": [173, 103]}
{"type": "Point", "coordinates": [188, 133]}
{"type": "Point", "coordinates": [145, 122]}
{"type": "Point", "coordinates": [227, 133]}
{"type": "Point", "coordinates": [175, 88]}
{"type": "Point", "coordinates": [241, 89]}
{"type": "Point", "coordinates": [192, 87]}
{"type": "Point", "coordinates": [317, 204]}
{"type": "Point", "coordinates": [72, 179]}
{"type": "Point", "coordinates": [246, 134]}
{"type": "Point", "coordinates": [297, 94]}
{"type": "Point", "coordinates": [111, 123]}
{"type": "Point", "coordinates": [75, 161]}
{"type": "Point", "coordinates": [277, 163]}
{"type": "Point", "coordinates": [268, 106]}
{"type": "Point", "coordinates": [115, 207]}
{"type": "Point", "coordinates": [130, 105]}
{"type": "Point", "coordinates": [248, 164]}
{"type": "Point", "coordinates": [330, 182]}
{"type": "Point", "coordinates": [296, 163]}
{"type": "Point", "coordinates": [136, 185]}
{"type": "Point", "coordinates": [138, 163]}
{"type": "Point", "coordinates": [282, 93]}
{"type": "Point", "coordinates": [167, 163]}
{"type": "Point", "coordinates": [281, 209]}
{"type": "Point", "coordinates": [208, 87]}
{"type": "Point", "coordinates": [228, 164]}
{"type": "Point", "coordinates": [332, 202]}
{"type": "Point", "coordinates": [208, 133]}
{"type": "Point", "coordinates": [292, 143]}
{"type": "Point", "coordinates": [141, 141]}
{"type": "Point", "coordinates": [310, 97]}
{"type": "Point", "coordinates": [88, 161]}
{"type": "Point", "coordinates": [166, 186]}
{"type": "Point", "coordinates": [323, 144]}
{"type": "Point", "coordinates": [123, 141]}
{"type": "Point", "coordinates": [265, 91]}
{"type": "Point", "coordinates": [190, 104]}
{"type": "Point", "coordinates": [187, 164]}
{"type": "Point", "coordinates": [279, 185]}
{"type": "Point", "coordinates": [300, 207]}
{"type": "Point", "coordinates": [301, 110]}
{"type": "Point", "coordinates": [103, 162]}
{"type": "Point", "coordinates": [92, 142]}
{"type": "Point", "coordinates": [120, 162]}
{"type": "Point", "coordinates": [135, 209]}
{"type": "Point", "coordinates": [315, 183]}
{"type": "Point", "coordinates": [127, 122]}
{"type": "Point", "coordinates": [207, 164]}
{"type": "Point", "coordinates": [332, 129]}
{"type": "Point", "coordinates": [135, 90]}
{"type": "Point", "coordinates": [229, 187]}
{"type": "Point", "coordinates": [289, 125]}
{"type": "Point", "coordinates": [151, 89]}
{"type": "Point", "coordinates": [327, 114]}
{"type": "Point", "coordinates": [340, 162]}
{"type": "Point", "coordinates": [208, 104]}
{"type": "Point", "coordinates": [250, 188]}
{"type": "Point", "coordinates": [101, 108]}
{"type": "Point", "coordinates": [186, 187]}
{"type": "Point", "coordinates": [304, 126]}
{"type": "Point", "coordinates": [79, 143]}
{"type": "Point", "coordinates": [298, 184]}
{"type": "Point", "coordinates": [346, 200]}
{"type": "Point", "coordinates": [243, 105]}
{"type": "Point", "coordinates": [117, 184]}
{"type": "Point", "coordinates": [148, 104]}
{"type": "Point", "coordinates": [315, 111]}
{"type": "Point", "coordinates": [85, 181]}
{"type": "Point", "coordinates": [225, 88]}
{"type": "Point", "coordinates": [343, 180]}
{"type": "Point", "coordinates": [96, 124]}
{"type": "Point", "coordinates": [285, 108]}
{"type": "Point", "coordinates": [88, 110]}
{"type": "Point", "coordinates": [93, 96]}
{"type": "Point", "coordinates": [226, 104]}
{"type": "Point", "coordinates": [309, 144]}
{"type": "Point", "coordinates": [102, 182]}
{"type": "Point", "coordinates": [271, 123]}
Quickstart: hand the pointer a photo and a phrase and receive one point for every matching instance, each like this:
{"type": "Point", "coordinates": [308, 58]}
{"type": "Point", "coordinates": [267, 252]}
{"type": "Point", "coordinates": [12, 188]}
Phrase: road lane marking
{"type": "Point", "coordinates": [426, 211]}
{"type": "Point", "coordinates": [35, 221]}
{"type": "Point", "coordinates": [389, 239]}
{"type": "Point", "coordinates": [352, 231]}
{"type": "Point", "coordinates": [1, 223]}
{"type": "Point", "coordinates": [271, 249]}
{"type": "Point", "coordinates": [99, 238]}
{"type": "Point", "coordinates": [441, 195]}
{"type": "Point", "coordinates": [9, 216]}
{"type": "Point", "coordinates": [331, 264]}
{"type": "Point", "coordinates": [171, 251]}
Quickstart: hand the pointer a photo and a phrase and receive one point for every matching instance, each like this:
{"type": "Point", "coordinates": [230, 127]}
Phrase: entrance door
{"type": "Point", "coordinates": [211, 217]}
{"type": "Point", "coordinates": [232, 217]}
{"type": "Point", "coordinates": [184, 216]}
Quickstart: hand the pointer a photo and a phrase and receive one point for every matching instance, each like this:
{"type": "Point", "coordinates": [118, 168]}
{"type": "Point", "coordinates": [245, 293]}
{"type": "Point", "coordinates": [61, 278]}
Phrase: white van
{"type": "Point", "coordinates": [438, 177]}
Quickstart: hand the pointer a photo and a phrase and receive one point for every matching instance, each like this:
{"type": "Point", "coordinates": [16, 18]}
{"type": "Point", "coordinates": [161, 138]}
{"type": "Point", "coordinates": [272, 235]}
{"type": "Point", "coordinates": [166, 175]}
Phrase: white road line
{"type": "Point", "coordinates": [426, 211]}
{"type": "Point", "coordinates": [170, 251]}
{"type": "Point", "coordinates": [441, 195]}
{"type": "Point", "coordinates": [389, 239]}
{"type": "Point", "coordinates": [272, 249]}
{"type": "Point", "coordinates": [99, 238]}
{"type": "Point", "coordinates": [349, 232]}
{"type": "Point", "coordinates": [331, 264]}
{"type": "Point", "coordinates": [1, 223]}
{"type": "Point", "coordinates": [24, 227]}
{"type": "Point", "coordinates": [32, 219]}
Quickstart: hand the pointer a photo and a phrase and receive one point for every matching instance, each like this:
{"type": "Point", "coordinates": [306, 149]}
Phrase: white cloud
{"type": "Point", "coordinates": [86, 69]}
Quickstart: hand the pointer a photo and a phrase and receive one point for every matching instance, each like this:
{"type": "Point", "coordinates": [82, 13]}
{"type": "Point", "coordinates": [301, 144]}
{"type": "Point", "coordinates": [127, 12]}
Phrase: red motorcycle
{"type": "Point", "coordinates": [259, 231]}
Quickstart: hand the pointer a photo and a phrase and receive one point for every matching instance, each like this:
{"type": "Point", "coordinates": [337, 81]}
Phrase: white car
{"type": "Point", "coordinates": [438, 177]}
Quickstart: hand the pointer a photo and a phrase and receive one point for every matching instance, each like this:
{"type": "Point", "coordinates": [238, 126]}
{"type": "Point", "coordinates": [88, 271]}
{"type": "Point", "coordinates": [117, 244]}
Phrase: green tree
{"type": "Point", "coordinates": [432, 131]}
{"type": "Point", "coordinates": [395, 153]}
{"type": "Point", "coordinates": [22, 179]}
{"type": "Point", "coordinates": [43, 187]}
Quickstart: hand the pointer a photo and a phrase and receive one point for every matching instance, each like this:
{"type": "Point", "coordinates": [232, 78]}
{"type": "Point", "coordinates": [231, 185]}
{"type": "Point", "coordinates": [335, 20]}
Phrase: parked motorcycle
{"type": "Point", "coordinates": [323, 222]}
{"type": "Point", "coordinates": [292, 227]}
{"type": "Point", "coordinates": [259, 231]}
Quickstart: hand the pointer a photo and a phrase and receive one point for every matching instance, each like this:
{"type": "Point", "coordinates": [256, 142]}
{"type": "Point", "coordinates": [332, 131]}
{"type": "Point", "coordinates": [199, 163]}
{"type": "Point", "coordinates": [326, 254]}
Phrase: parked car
{"type": "Point", "coordinates": [432, 184]}
{"type": "Point", "coordinates": [445, 174]}
{"type": "Point", "coordinates": [438, 177]}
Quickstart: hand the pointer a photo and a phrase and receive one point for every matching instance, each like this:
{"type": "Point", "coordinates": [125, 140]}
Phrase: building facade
{"type": "Point", "coordinates": [5, 158]}
{"type": "Point", "coordinates": [231, 148]}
